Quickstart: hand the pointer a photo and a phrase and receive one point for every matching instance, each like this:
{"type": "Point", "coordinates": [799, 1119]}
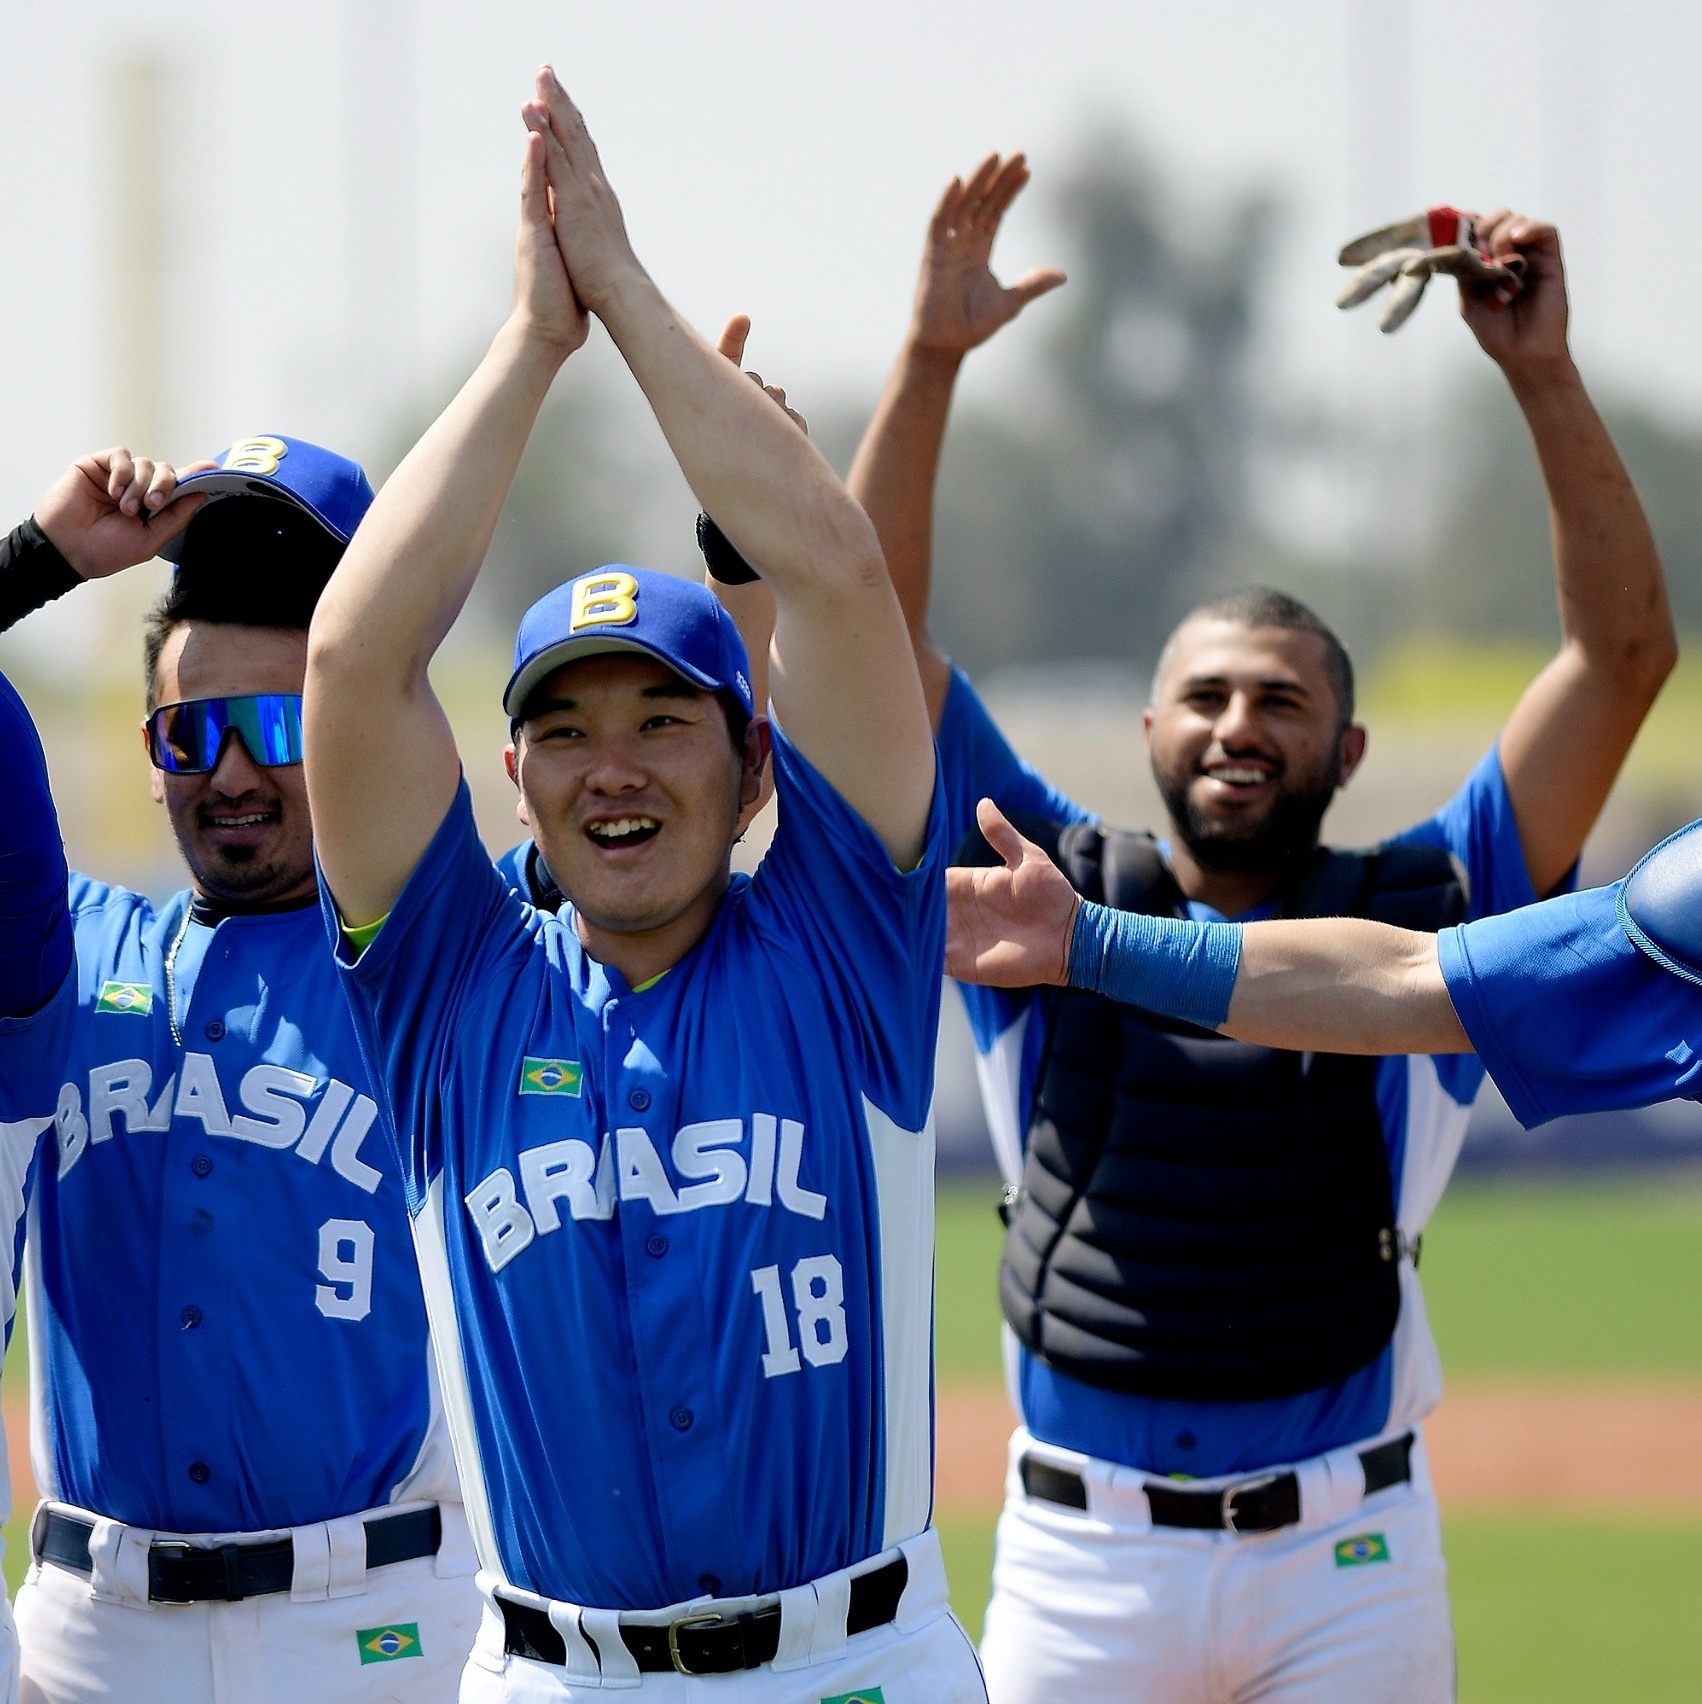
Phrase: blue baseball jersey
{"type": "Point", "coordinates": [677, 1240]}
{"type": "Point", "coordinates": [227, 1327]}
{"type": "Point", "coordinates": [1423, 1102]}
{"type": "Point", "coordinates": [1568, 1015]}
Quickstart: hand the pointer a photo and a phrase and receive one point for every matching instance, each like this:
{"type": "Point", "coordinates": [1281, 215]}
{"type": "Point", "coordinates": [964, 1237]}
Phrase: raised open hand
{"type": "Point", "coordinates": [590, 229]}
{"type": "Point", "coordinates": [543, 293]}
{"type": "Point", "coordinates": [1532, 327]}
{"type": "Point", "coordinates": [1009, 926]}
{"type": "Point", "coordinates": [734, 335]}
{"type": "Point", "coordinates": [959, 301]}
{"type": "Point", "coordinates": [111, 510]}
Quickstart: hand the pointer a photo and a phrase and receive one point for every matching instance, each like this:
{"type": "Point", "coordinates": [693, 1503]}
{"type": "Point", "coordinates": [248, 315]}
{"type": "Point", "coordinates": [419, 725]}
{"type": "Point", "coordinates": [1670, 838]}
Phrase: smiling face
{"type": "Point", "coordinates": [1247, 743]}
{"type": "Point", "coordinates": [634, 793]}
{"type": "Point", "coordinates": [243, 828]}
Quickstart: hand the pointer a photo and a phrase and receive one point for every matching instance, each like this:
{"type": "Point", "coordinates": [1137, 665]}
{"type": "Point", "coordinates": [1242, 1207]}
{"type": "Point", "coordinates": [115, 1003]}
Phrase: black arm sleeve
{"type": "Point", "coordinates": [32, 573]}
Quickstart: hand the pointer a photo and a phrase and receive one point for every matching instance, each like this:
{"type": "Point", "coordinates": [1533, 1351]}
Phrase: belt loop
{"type": "Point", "coordinates": [797, 1628]}
{"type": "Point", "coordinates": [833, 1604]}
{"type": "Point", "coordinates": [310, 1580]}
{"type": "Point", "coordinates": [925, 1588]}
{"type": "Point", "coordinates": [346, 1539]}
{"type": "Point", "coordinates": [455, 1557]}
{"type": "Point", "coordinates": [616, 1663]}
{"type": "Point", "coordinates": [118, 1557]}
{"type": "Point", "coordinates": [582, 1664]}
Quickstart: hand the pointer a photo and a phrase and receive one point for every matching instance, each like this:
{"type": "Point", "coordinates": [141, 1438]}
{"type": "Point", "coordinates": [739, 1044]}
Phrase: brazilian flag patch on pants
{"type": "Point", "coordinates": [389, 1644]}
{"type": "Point", "coordinates": [1367, 1547]}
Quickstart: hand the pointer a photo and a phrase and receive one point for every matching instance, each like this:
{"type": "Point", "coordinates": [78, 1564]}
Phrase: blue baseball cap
{"type": "Point", "coordinates": [332, 489]}
{"type": "Point", "coordinates": [678, 622]}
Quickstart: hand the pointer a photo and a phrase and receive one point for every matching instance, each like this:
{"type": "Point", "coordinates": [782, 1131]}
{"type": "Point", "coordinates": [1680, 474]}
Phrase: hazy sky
{"type": "Point", "coordinates": [334, 202]}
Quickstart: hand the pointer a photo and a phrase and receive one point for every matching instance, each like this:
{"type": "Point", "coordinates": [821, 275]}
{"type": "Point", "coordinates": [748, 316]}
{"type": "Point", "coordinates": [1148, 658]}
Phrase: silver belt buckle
{"type": "Point", "coordinates": [1231, 1492]}
{"type": "Point", "coordinates": [684, 1623]}
{"type": "Point", "coordinates": [181, 1551]}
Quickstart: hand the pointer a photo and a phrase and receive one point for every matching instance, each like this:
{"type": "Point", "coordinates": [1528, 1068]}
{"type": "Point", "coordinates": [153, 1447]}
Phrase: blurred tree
{"type": "Point", "coordinates": [1087, 526]}
{"type": "Point", "coordinates": [1489, 571]}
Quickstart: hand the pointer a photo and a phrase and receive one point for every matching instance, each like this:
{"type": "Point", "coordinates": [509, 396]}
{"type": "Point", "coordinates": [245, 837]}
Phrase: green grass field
{"type": "Point", "coordinates": [1594, 1282]}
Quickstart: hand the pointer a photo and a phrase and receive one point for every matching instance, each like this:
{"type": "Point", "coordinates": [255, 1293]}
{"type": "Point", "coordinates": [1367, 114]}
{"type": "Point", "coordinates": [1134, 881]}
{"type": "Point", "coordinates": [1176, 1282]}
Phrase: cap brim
{"type": "Point", "coordinates": [220, 482]}
{"type": "Point", "coordinates": [527, 679]}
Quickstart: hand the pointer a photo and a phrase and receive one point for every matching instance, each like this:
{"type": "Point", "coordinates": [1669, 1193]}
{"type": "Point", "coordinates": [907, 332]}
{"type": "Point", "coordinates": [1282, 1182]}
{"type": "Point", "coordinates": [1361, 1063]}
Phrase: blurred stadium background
{"type": "Point", "coordinates": [299, 219]}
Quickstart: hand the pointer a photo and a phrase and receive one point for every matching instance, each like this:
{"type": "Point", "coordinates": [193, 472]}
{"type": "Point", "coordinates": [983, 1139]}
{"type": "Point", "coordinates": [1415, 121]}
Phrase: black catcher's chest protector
{"type": "Point", "coordinates": [1201, 1218]}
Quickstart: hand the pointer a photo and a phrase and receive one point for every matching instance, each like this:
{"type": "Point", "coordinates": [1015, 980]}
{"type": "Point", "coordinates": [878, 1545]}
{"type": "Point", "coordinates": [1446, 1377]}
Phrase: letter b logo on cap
{"type": "Point", "coordinates": [604, 600]}
{"type": "Point", "coordinates": [256, 455]}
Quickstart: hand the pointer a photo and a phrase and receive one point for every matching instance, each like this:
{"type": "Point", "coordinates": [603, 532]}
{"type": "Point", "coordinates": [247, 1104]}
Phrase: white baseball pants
{"type": "Point", "coordinates": [1101, 1607]}
{"type": "Point", "coordinates": [923, 1657]}
{"type": "Point", "coordinates": [84, 1638]}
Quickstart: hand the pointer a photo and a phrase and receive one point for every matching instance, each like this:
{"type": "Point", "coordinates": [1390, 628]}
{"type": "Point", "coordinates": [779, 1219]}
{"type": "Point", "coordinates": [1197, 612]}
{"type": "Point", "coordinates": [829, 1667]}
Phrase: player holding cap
{"type": "Point", "coordinates": [250, 1493]}
{"type": "Point", "coordinates": [1219, 1348]}
{"type": "Point", "coordinates": [669, 1150]}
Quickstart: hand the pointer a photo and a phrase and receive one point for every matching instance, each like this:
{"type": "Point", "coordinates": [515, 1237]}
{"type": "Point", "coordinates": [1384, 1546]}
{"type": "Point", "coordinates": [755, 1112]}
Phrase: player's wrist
{"type": "Point", "coordinates": [1536, 378]}
{"type": "Point", "coordinates": [529, 343]}
{"type": "Point", "coordinates": [932, 359]}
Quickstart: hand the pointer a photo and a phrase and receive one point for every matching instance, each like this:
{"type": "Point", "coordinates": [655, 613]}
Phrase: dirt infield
{"type": "Point", "coordinates": [1631, 1450]}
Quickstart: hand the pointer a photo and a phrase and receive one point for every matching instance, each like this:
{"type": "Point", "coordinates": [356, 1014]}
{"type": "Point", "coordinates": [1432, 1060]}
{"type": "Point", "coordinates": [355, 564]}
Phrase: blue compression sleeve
{"type": "Point", "coordinates": [35, 919]}
{"type": "Point", "coordinates": [1161, 964]}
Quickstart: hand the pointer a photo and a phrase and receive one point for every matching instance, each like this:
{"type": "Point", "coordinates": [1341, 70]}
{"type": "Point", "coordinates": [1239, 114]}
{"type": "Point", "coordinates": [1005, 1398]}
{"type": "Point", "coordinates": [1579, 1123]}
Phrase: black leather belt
{"type": "Point", "coordinates": [709, 1643]}
{"type": "Point", "coordinates": [227, 1573]}
{"type": "Point", "coordinates": [1259, 1504]}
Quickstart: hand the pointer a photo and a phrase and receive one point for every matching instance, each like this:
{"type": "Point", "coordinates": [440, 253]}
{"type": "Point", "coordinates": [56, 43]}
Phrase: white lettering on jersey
{"type": "Point", "coordinates": [821, 1315]}
{"type": "Point", "coordinates": [199, 1095]}
{"type": "Point", "coordinates": [505, 1227]}
{"type": "Point", "coordinates": [353, 1269]}
{"type": "Point", "coordinates": [792, 1193]}
{"type": "Point", "coordinates": [318, 1137]}
{"type": "Point", "coordinates": [274, 1098]}
{"type": "Point", "coordinates": [707, 1155]}
{"type": "Point", "coordinates": [562, 1171]}
{"type": "Point", "coordinates": [120, 1087]}
{"type": "Point", "coordinates": [641, 1175]}
{"type": "Point", "coordinates": [71, 1127]}
{"type": "Point", "coordinates": [273, 1093]}
{"type": "Point", "coordinates": [345, 1151]}
{"type": "Point", "coordinates": [704, 1150]}
{"type": "Point", "coordinates": [761, 1191]}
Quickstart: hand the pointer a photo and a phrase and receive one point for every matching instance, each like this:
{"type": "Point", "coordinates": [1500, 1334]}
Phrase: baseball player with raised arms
{"type": "Point", "coordinates": [669, 1150]}
{"type": "Point", "coordinates": [1217, 1340]}
{"type": "Point", "coordinates": [249, 1490]}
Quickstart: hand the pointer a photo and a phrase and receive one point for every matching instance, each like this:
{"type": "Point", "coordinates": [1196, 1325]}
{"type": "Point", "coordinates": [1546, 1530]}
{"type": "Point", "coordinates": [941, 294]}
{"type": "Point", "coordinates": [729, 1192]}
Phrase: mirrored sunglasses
{"type": "Point", "coordinates": [187, 738]}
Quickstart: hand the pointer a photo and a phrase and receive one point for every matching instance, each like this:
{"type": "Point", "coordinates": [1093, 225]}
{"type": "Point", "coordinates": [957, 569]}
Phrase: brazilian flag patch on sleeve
{"type": "Point", "coordinates": [134, 999]}
{"type": "Point", "coordinates": [389, 1644]}
{"type": "Point", "coordinates": [869, 1695]}
{"type": "Point", "coordinates": [1364, 1547]}
{"type": "Point", "coordinates": [551, 1076]}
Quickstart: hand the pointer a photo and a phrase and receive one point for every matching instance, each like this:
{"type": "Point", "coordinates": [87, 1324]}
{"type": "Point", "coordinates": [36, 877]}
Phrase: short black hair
{"type": "Point", "coordinates": [246, 562]}
{"type": "Point", "coordinates": [1264, 606]}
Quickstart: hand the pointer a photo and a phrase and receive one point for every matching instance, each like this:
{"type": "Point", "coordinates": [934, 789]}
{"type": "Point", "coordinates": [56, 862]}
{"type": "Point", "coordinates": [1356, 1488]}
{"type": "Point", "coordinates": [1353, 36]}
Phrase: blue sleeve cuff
{"type": "Point", "coordinates": [1161, 964]}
